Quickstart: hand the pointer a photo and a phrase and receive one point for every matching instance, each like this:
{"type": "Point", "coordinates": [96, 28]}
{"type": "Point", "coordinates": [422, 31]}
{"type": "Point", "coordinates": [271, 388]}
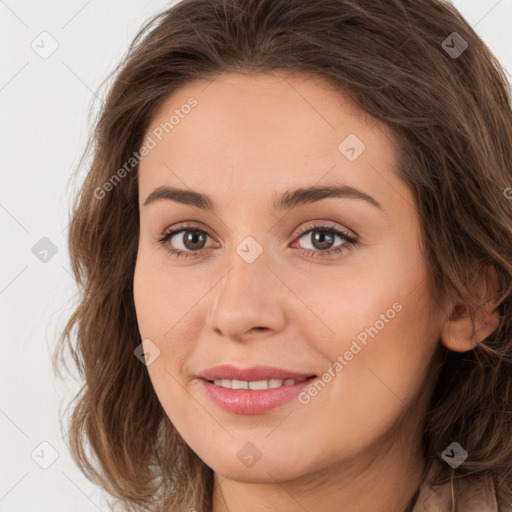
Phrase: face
{"type": "Point", "coordinates": [258, 287]}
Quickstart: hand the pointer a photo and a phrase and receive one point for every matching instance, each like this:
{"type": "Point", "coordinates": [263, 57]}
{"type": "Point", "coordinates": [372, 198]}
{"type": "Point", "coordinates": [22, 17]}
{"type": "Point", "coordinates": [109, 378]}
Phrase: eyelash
{"type": "Point", "coordinates": [350, 241]}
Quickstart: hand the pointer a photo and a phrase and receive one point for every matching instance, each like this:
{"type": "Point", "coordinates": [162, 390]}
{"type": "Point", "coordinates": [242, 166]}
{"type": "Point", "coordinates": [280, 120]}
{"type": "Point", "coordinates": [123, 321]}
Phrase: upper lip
{"type": "Point", "coordinates": [254, 373]}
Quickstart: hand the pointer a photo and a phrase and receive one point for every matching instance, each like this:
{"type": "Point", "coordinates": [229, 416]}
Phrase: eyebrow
{"type": "Point", "coordinates": [285, 201]}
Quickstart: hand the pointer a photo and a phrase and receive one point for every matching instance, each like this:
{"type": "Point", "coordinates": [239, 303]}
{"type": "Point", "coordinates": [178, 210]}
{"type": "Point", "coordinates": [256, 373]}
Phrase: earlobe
{"type": "Point", "coordinates": [457, 334]}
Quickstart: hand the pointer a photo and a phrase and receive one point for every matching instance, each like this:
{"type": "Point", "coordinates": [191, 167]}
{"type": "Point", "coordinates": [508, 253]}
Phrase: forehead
{"type": "Point", "coordinates": [267, 132]}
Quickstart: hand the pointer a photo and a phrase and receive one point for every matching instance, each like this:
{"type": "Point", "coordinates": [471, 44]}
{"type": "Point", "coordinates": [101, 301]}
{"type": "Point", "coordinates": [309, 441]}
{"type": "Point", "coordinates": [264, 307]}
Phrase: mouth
{"type": "Point", "coordinates": [229, 372]}
{"type": "Point", "coordinates": [253, 390]}
{"type": "Point", "coordinates": [256, 385]}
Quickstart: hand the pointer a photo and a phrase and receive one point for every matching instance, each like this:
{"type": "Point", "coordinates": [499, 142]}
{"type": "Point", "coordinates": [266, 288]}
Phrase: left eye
{"type": "Point", "coordinates": [322, 239]}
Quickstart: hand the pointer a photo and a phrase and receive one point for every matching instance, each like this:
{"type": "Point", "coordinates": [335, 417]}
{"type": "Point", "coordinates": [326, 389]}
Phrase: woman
{"type": "Point", "coordinates": [294, 243]}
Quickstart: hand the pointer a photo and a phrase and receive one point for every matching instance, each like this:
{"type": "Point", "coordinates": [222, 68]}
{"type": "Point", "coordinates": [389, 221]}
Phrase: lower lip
{"type": "Point", "coordinates": [242, 401]}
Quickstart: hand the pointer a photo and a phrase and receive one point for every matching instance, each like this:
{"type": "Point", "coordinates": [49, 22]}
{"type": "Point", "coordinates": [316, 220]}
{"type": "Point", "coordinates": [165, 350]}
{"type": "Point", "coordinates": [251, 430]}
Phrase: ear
{"type": "Point", "coordinates": [457, 333]}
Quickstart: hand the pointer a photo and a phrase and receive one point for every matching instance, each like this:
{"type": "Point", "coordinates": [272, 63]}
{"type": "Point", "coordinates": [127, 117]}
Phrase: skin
{"type": "Point", "coordinates": [358, 441]}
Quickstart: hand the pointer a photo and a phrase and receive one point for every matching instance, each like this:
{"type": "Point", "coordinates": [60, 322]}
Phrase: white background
{"type": "Point", "coordinates": [44, 124]}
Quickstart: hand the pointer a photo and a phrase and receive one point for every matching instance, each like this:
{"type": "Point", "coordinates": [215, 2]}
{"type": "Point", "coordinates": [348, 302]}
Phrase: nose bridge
{"type": "Point", "coordinates": [246, 296]}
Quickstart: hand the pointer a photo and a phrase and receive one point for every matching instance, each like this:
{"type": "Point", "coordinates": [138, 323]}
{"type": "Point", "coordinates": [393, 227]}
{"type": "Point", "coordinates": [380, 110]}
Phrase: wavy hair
{"type": "Point", "coordinates": [451, 119]}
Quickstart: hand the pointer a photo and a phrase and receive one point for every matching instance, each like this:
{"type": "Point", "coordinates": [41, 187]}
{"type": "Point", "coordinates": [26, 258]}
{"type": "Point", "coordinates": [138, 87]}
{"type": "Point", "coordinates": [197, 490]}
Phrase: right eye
{"type": "Point", "coordinates": [184, 240]}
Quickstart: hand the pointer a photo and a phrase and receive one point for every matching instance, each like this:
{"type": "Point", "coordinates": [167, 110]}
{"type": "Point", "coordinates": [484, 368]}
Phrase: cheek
{"type": "Point", "coordinates": [161, 305]}
{"type": "Point", "coordinates": [152, 296]}
{"type": "Point", "coordinates": [385, 354]}
{"type": "Point", "coordinates": [383, 328]}
{"type": "Point", "coordinates": [164, 297]}
{"type": "Point", "coordinates": [344, 305]}
{"type": "Point", "coordinates": [380, 301]}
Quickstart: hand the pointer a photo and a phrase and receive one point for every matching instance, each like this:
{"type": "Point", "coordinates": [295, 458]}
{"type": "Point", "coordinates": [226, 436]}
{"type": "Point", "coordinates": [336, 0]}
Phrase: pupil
{"type": "Point", "coordinates": [320, 237]}
{"type": "Point", "coordinates": [191, 240]}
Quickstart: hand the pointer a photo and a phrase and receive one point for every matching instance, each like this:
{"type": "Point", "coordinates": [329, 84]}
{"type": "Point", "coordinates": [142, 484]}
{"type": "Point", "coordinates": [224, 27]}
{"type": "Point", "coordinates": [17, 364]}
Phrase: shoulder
{"type": "Point", "coordinates": [464, 495]}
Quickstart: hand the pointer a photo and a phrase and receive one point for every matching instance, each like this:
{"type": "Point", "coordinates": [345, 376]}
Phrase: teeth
{"type": "Point", "coordinates": [255, 384]}
{"type": "Point", "coordinates": [258, 384]}
{"type": "Point", "coordinates": [239, 384]}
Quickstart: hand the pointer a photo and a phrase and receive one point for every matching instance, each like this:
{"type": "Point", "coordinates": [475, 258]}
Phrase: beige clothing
{"type": "Point", "coordinates": [458, 496]}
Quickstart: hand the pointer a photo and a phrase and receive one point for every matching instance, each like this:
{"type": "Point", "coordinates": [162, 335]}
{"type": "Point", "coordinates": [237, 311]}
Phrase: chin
{"type": "Point", "coordinates": [263, 471]}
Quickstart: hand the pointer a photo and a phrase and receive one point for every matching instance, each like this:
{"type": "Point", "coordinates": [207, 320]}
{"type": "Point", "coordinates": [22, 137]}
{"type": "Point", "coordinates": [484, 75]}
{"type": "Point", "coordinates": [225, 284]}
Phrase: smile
{"type": "Point", "coordinates": [255, 384]}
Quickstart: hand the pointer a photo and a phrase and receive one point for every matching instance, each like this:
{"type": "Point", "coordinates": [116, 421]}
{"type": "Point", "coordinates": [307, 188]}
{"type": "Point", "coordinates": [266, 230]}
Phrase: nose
{"type": "Point", "coordinates": [248, 302]}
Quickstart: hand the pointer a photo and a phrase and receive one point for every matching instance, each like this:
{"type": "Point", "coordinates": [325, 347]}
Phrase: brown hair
{"type": "Point", "coordinates": [451, 118]}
